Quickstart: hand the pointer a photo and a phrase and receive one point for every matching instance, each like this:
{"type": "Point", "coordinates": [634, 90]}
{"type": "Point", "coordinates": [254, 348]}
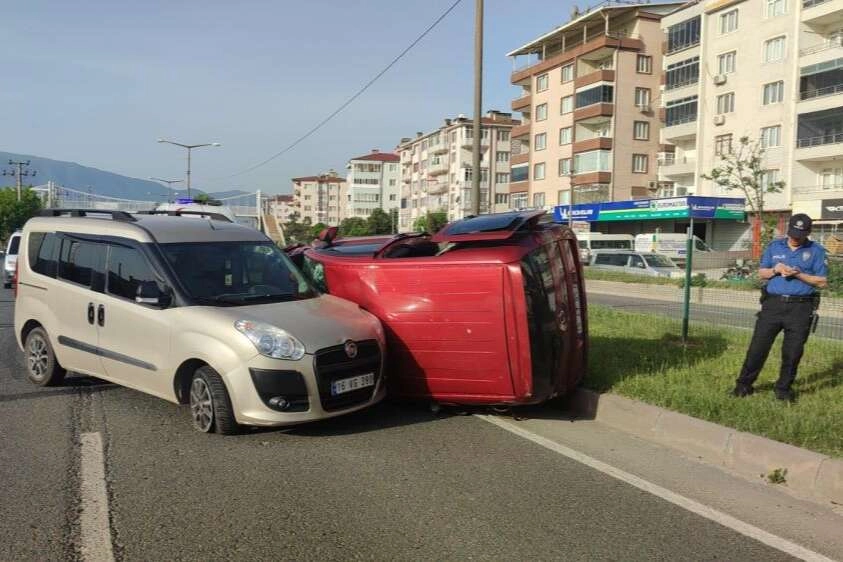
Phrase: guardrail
{"type": "Point", "coordinates": [821, 92]}
{"type": "Point", "coordinates": [808, 142]}
{"type": "Point", "coordinates": [682, 120]}
{"type": "Point", "coordinates": [812, 3]}
{"type": "Point", "coordinates": [819, 48]}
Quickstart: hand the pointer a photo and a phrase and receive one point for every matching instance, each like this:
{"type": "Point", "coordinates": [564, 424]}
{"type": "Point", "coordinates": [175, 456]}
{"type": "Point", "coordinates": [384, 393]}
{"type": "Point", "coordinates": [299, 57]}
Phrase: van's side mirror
{"type": "Point", "coordinates": [150, 293]}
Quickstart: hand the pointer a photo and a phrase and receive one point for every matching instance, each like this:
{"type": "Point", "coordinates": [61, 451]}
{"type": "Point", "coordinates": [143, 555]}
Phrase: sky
{"type": "Point", "coordinates": [98, 82]}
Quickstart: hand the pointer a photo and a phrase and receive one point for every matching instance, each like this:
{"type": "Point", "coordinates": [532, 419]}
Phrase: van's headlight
{"type": "Point", "coordinates": [271, 341]}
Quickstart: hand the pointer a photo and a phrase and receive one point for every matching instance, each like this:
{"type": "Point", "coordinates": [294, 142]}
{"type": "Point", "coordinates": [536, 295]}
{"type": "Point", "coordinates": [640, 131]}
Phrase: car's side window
{"type": "Point", "coordinates": [637, 261]}
{"type": "Point", "coordinates": [127, 269]}
{"type": "Point", "coordinates": [81, 262]}
{"type": "Point", "coordinates": [43, 253]}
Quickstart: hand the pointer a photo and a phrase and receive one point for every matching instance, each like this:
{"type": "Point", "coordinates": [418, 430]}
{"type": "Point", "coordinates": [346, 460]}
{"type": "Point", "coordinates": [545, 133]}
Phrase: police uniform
{"type": "Point", "coordinates": [787, 305]}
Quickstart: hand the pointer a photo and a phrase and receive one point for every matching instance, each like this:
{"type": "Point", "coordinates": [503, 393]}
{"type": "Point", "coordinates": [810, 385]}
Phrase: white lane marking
{"type": "Point", "coordinates": [94, 526]}
{"type": "Point", "coordinates": [710, 513]}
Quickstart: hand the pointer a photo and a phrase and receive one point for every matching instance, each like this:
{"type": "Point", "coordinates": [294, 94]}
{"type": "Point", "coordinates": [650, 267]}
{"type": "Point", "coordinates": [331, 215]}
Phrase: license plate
{"type": "Point", "coordinates": [354, 383]}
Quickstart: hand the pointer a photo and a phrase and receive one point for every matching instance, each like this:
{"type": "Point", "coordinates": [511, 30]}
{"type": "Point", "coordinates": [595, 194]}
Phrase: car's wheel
{"type": "Point", "coordinates": [42, 367]}
{"type": "Point", "coordinates": [210, 405]}
{"type": "Point", "coordinates": [7, 285]}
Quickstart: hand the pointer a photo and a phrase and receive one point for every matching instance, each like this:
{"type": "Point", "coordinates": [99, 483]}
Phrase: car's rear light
{"type": "Point", "coordinates": [15, 280]}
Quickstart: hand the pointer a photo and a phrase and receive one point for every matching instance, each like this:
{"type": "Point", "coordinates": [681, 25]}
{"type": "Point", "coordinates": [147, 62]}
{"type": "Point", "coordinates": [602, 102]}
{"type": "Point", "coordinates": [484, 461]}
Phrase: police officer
{"type": "Point", "coordinates": [795, 268]}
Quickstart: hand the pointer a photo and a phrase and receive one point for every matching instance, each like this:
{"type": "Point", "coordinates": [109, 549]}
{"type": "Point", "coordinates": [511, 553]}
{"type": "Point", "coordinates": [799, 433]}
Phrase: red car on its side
{"type": "Point", "coordinates": [490, 310]}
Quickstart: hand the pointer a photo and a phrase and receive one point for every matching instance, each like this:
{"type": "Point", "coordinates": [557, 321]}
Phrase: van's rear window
{"type": "Point", "coordinates": [14, 245]}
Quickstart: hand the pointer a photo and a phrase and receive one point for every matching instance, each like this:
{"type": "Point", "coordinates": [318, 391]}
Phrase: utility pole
{"type": "Point", "coordinates": [478, 107]}
{"type": "Point", "coordinates": [571, 193]}
{"type": "Point", "coordinates": [19, 173]}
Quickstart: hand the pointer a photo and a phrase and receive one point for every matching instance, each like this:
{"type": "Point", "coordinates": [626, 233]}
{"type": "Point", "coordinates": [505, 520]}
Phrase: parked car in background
{"type": "Point", "coordinates": [636, 263]}
{"type": "Point", "coordinates": [671, 245]}
{"type": "Point", "coordinates": [489, 310]}
{"type": "Point", "coordinates": [199, 312]}
{"type": "Point", "coordinates": [10, 259]}
{"type": "Point", "coordinates": [590, 241]}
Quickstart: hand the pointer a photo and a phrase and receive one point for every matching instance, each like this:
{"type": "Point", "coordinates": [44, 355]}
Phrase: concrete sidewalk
{"type": "Point", "coordinates": [809, 475]}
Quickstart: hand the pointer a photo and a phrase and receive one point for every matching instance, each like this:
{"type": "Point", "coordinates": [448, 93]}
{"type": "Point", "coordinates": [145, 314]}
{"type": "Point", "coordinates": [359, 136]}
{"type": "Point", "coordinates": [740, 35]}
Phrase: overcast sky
{"type": "Point", "coordinates": [97, 82]}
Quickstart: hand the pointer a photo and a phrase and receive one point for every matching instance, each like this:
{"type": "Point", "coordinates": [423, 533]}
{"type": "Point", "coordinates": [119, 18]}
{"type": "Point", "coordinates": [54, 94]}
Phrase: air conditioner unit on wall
{"type": "Point", "coordinates": [720, 79]}
{"type": "Point", "coordinates": [719, 119]}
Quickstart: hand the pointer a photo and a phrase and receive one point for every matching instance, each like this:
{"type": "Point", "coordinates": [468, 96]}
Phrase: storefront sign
{"type": "Point", "coordinates": [657, 209]}
{"type": "Point", "coordinates": [832, 209]}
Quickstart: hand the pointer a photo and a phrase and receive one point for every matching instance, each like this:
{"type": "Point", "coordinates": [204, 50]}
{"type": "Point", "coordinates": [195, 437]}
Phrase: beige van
{"type": "Point", "coordinates": [200, 312]}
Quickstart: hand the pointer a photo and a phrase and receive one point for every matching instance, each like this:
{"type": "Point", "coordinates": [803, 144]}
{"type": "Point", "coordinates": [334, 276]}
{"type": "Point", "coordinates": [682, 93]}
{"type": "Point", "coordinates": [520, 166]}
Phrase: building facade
{"type": "Point", "coordinates": [281, 207]}
{"type": "Point", "coordinates": [587, 99]}
{"type": "Point", "coordinates": [437, 169]}
{"type": "Point", "coordinates": [372, 184]}
{"type": "Point", "coordinates": [320, 199]}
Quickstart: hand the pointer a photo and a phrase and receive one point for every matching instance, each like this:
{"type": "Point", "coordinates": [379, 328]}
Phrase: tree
{"type": "Point", "coordinates": [205, 199]}
{"type": "Point", "coordinates": [742, 169]}
{"type": "Point", "coordinates": [379, 223]}
{"type": "Point", "coordinates": [14, 213]}
{"type": "Point", "coordinates": [297, 233]}
{"type": "Point", "coordinates": [354, 226]}
{"type": "Point", "coordinates": [431, 222]}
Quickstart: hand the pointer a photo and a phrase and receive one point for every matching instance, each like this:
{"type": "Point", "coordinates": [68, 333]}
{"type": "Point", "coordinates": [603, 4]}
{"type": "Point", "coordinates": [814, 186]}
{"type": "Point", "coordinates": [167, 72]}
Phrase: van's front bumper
{"type": "Point", "coordinates": [271, 392]}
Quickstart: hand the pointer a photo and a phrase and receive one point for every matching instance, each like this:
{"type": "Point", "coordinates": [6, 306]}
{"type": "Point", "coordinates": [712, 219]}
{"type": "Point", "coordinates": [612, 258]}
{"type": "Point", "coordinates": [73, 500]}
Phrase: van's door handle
{"type": "Point", "coordinates": [91, 313]}
{"type": "Point", "coordinates": [101, 315]}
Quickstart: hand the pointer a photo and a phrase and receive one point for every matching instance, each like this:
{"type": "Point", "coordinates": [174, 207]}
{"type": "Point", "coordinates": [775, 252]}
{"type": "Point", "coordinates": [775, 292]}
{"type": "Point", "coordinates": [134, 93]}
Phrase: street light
{"type": "Point", "coordinates": [189, 147]}
{"type": "Point", "coordinates": [169, 185]}
{"type": "Point", "coordinates": [571, 193]}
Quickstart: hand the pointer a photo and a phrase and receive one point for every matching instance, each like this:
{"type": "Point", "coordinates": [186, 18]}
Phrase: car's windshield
{"type": "Point", "coordinates": [236, 273]}
{"type": "Point", "coordinates": [656, 260]}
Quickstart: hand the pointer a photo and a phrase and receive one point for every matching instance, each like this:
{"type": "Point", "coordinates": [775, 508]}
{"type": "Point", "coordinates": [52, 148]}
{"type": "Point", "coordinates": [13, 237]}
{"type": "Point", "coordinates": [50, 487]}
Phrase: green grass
{"type": "Point", "coordinates": [642, 357]}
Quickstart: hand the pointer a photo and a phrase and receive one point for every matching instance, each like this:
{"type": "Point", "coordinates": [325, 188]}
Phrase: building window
{"type": "Point", "coordinates": [563, 196]}
{"type": "Point", "coordinates": [723, 145]}
{"type": "Point", "coordinates": [769, 178]}
{"type": "Point", "coordinates": [501, 177]}
{"type": "Point", "coordinates": [600, 94]}
{"type": "Point", "coordinates": [639, 163]}
{"type": "Point", "coordinates": [774, 49]}
{"type": "Point", "coordinates": [682, 73]}
{"type": "Point", "coordinates": [538, 171]}
{"type": "Point", "coordinates": [541, 112]}
{"type": "Point", "coordinates": [771, 136]}
{"type": "Point", "coordinates": [776, 8]}
{"type": "Point", "coordinates": [831, 178]}
{"type": "Point", "coordinates": [520, 173]}
{"type": "Point", "coordinates": [567, 73]}
{"type": "Point", "coordinates": [773, 92]}
{"type": "Point", "coordinates": [683, 35]}
{"type": "Point", "coordinates": [541, 83]}
{"type": "Point", "coordinates": [501, 198]}
{"type": "Point", "coordinates": [642, 97]}
{"type": "Point", "coordinates": [538, 200]}
{"type": "Point", "coordinates": [729, 22]}
{"type": "Point", "coordinates": [392, 182]}
{"type": "Point", "coordinates": [680, 111]}
{"type": "Point", "coordinates": [726, 62]}
{"type": "Point", "coordinates": [564, 166]}
{"type": "Point", "coordinates": [726, 103]}
{"type": "Point", "coordinates": [503, 135]}
{"type": "Point", "coordinates": [393, 197]}
{"type": "Point", "coordinates": [641, 130]}
{"type": "Point", "coordinates": [501, 156]}
{"type": "Point", "coordinates": [541, 141]}
{"type": "Point", "coordinates": [518, 200]}
{"type": "Point", "coordinates": [567, 105]}
{"type": "Point", "coordinates": [565, 135]}
{"type": "Point", "coordinates": [644, 64]}
{"type": "Point", "coordinates": [593, 161]}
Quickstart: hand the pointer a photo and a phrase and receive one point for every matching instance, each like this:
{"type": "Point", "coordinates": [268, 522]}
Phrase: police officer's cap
{"type": "Point", "coordinates": [799, 226]}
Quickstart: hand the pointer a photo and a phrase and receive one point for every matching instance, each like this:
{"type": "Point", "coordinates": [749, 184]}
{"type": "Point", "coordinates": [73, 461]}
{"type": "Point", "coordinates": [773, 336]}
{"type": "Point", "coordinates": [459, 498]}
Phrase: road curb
{"type": "Point", "coordinates": [809, 474]}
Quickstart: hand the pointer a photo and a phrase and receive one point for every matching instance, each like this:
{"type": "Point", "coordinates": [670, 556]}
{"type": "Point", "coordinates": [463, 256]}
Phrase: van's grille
{"type": "Point", "coordinates": [333, 364]}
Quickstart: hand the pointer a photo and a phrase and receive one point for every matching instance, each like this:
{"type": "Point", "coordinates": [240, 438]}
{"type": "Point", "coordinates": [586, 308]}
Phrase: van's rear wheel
{"type": "Point", "coordinates": [210, 405]}
{"type": "Point", "coordinates": [42, 368]}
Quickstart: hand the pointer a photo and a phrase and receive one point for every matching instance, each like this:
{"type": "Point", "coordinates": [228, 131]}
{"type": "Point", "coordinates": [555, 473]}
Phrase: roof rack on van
{"type": "Point", "coordinates": [115, 215]}
{"type": "Point", "coordinates": [181, 213]}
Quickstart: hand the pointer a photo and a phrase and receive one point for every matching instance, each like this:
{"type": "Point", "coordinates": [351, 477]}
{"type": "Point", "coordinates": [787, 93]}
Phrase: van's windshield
{"type": "Point", "coordinates": [237, 273]}
{"type": "Point", "coordinates": [656, 260]}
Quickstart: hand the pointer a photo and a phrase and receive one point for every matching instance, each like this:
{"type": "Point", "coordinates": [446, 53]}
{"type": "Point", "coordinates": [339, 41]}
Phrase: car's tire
{"type": "Point", "coordinates": [210, 405]}
{"type": "Point", "coordinates": [7, 285]}
{"type": "Point", "coordinates": [42, 367]}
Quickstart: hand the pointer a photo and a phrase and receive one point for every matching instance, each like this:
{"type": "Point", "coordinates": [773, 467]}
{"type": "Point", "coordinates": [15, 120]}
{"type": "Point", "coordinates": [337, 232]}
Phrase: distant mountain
{"type": "Point", "coordinates": [84, 178]}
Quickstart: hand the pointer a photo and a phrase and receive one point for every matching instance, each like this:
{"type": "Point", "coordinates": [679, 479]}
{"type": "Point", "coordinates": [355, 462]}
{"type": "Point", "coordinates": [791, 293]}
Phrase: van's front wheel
{"type": "Point", "coordinates": [210, 405]}
{"type": "Point", "coordinates": [42, 368]}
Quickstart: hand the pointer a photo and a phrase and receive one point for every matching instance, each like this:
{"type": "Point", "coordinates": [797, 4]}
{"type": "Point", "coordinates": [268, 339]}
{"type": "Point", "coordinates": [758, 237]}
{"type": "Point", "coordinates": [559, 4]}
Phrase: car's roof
{"type": "Point", "coordinates": [150, 228]}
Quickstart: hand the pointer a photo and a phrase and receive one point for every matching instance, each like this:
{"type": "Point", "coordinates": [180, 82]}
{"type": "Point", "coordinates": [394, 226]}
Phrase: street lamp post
{"type": "Point", "coordinates": [169, 184]}
{"type": "Point", "coordinates": [189, 148]}
{"type": "Point", "coordinates": [571, 194]}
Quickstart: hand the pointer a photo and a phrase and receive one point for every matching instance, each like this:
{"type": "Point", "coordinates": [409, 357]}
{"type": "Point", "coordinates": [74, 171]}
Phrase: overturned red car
{"type": "Point", "coordinates": [490, 310]}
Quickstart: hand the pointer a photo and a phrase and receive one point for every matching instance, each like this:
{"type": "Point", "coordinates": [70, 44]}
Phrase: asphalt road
{"type": "Point", "coordinates": [393, 483]}
{"type": "Point", "coordinates": [725, 315]}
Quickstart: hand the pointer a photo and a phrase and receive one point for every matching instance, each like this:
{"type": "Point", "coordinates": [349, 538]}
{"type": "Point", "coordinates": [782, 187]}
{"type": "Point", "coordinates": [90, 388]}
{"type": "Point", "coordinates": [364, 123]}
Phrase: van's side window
{"type": "Point", "coordinates": [43, 253]}
{"type": "Point", "coordinates": [127, 269]}
{"type": "Point", "coordinates": [80, 261]}
{"type": "Point", "coordinates": [637, 261]}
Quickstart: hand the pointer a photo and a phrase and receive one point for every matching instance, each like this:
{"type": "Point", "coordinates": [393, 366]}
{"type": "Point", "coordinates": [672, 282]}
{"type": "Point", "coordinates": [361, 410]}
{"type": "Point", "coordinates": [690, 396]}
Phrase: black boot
{"type": "Point", "coordinates": [785, 395]}
{"type": "Point", "coordinates": [742, 390]}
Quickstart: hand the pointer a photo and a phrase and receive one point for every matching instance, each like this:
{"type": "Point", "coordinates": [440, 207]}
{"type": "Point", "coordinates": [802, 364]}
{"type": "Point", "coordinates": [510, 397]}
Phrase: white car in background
{"type": "Point", "coordinates": [10, 260]}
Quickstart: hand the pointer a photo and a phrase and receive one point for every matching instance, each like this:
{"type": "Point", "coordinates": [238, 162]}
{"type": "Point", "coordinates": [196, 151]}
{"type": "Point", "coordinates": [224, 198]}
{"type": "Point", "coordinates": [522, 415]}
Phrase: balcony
{"type": "Point", "coordinates": [523, 102]}
{"type": "Point", "coordinates": [829, 191]}
{"type": "Point", "coordinates": [438, 168]}
{"type": "Point", "coordinates": [522, 158]}
{"type": "Point", "coordinates": [824, 147]}
{"type": "Point", "coordinates": [521, 130]}
{"type": "Point", "coordinates": [519, 186]}
{"type": "Point", "coordinates": [596, 143]}
{"type": "Point", "coordinates": [831, 90]}
{"type": "Point", "coordinates": [820, 12]}
{"type": "Point", "coordinates": [594, 77]}
{"type": "Point", "coordinates": [672, 165]}
{"type": "Point", "coordinates": [679, 129]}
{"type": "Point", "coordinates": [437, 188]}
{"type": "Point", "coordinates": [594, 110]}
{"type": "Point", "coordinates": [592, 178]}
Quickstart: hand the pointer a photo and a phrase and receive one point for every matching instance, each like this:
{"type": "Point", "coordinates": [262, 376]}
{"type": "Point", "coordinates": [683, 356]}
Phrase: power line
{"type": "Point", "coordinates": [348, 102]}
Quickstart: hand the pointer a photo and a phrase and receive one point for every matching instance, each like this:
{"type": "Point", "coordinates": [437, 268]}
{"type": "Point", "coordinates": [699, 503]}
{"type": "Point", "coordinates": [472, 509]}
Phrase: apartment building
{"type": "Point", "coordinates": [588, 119]}
{"type": "Point", "coordinates": [770, 70]}
{"type": "Point", "coordinates": [437, 168]}
{"type": "Point", "coordinates": [281, 207]}
{"type": "Point", "coordinates": [372, 184]}
{"type": "Point", "coordinates": [320, 198]}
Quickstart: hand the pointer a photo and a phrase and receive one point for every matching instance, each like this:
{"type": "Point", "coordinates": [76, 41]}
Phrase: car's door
{"type": "Point", "coordinates": [134, 338]}
{"type": "Point", "coordinates": [77, 292]}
